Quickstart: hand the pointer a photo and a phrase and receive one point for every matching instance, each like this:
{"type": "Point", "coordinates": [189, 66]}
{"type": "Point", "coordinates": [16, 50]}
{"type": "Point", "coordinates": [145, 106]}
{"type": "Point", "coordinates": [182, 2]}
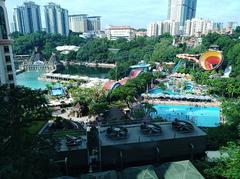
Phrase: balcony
{"type": "Point", "coordinates": [6, 42]}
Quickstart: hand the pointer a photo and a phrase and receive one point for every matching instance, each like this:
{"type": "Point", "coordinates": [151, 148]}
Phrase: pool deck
{"type": "Point", "coordinates": [185, 103]}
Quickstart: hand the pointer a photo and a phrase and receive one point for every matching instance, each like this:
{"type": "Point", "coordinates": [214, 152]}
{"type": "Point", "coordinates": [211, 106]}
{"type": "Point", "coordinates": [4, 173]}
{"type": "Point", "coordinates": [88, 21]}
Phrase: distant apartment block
{"type": "Point", "coordinates": [218, 27]}
{"type": "Point", "coordinates": [7, 69]}
{"type": "Point", "coordinates": [117, 32]}
{"type": "Point", "coordinates": [56, 19]}
{"type": "Point", "coordinates": [78, 23]}
{"type": "Point", "coordinates": [152, 30]}
{"type": "Point", "coordinates": [231, 26]}
{"type": "Point", "coordinates": [198, 27]}
{"type": "Point", "coordinates": [160, 28]}
{"type": "Point", "coordinates": [141, 33]}
{"type": "Point", "coordinates": [94, 24]}
{"type": "Point", "coordinates": [27, 18]}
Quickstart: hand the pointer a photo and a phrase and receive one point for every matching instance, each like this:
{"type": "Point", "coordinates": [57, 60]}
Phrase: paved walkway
{"type": "Point", "coordinates": [84, 119]}
{"type": "Point", "coordinates": [185, 103]}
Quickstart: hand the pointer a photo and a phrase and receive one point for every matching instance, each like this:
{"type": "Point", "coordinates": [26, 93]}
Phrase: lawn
{"type": "Point", "coordinates": [35, 127]}
{"type": "Point", "coordinates": [62, 134]}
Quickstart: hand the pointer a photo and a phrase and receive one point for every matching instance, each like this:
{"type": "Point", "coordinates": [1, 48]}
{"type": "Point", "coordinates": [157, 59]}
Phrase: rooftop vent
{"type": "Point", "coordinates": [182, 126]}
{"type": "Point", "coordinates": [117, 132]}
{"type": "Point", "coordinates": [73, 141]}
{"type": "Point", "coordinates": [150, 129]}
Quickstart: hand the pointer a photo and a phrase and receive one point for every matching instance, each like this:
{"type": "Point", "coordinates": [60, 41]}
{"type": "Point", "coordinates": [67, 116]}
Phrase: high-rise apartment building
{"type": "Point", "coordinates": [152, 30]}
{"type": "Point", "coordinates": [7, 69]}
{"type": "Point", "coordinates": [78, 23]}
{"type": "Point", "coordinates": [27, 18]}
{"type": "Point", "coordinates": [187, 27]}
{"type": "Point", "coordinates": [181, 10]}
{"type": "Point", "coordinates": [159, 28]}
{"type": "Point", "coordinates": [56, 19]}
{"type": "Point", "coordinates": [94, 24]}
{"type": "Point", "coordinates": [218, 27]}
{"type": "Point", "coordinates": [233, 25]}
{"type": "Point", "coordinates": [198, 27]}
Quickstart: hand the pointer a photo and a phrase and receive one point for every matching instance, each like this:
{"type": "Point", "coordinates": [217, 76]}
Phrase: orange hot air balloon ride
{"type": "Point", "coordinates": [211, 60]}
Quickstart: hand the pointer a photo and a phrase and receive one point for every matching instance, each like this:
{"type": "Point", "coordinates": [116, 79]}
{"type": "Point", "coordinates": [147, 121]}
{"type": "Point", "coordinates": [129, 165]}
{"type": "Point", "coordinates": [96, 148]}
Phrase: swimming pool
{"type": "Point", "coordinates": [160, 91]}
{"type": "Point", "coordinates": [200, 116]}
{"type": "Point", "coordinates": [57, 91]}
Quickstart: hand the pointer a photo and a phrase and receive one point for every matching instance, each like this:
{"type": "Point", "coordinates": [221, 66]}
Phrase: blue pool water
{"type": "Point", "coordinates": [160, 91]}
{"type": "Point", "coordinates": [30, 80]}
{"type": "Point", "coordinates": [201, 116]}
{"type": "Point", "coordinates": [57, 91]}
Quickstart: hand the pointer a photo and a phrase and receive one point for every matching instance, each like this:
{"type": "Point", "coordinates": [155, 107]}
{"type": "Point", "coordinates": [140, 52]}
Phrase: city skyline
{"type": "Point", "coordinates": [137, 13]}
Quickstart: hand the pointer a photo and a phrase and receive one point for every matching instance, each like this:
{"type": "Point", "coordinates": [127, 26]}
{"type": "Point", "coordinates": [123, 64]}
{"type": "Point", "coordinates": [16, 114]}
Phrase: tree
{"type": "Point", "coordinates": [23, 155]}
{"type": "Point", "coordinates": [228, 166]}
{"type": "Point", "coordinates": [95, 50]}
{"type": "Point", "coordinates": [164, 51]}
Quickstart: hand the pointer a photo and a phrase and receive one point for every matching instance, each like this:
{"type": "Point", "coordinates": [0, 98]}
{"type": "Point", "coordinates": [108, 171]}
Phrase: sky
{"type": "Point", "coordinates": [138, 13]}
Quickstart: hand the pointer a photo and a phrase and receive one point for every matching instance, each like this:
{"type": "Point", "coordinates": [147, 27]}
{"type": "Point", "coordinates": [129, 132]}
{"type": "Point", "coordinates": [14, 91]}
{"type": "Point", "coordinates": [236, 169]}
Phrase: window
{"type": "Point", "coordinates": [6, 49]}
{"type": "Point", "coordinates": [3, 27]}
{"type": "Point", "coordinates": [10, 77]}
{"type": "Point", "coordinates": [12, 86]}
{"type": "Point", "coordinates": [9, 68]}
{"type": "Point", "coordinates": [7, 59]}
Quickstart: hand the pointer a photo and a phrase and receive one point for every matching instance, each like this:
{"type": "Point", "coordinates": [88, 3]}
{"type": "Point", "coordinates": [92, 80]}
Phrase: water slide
{"type": "Point", "coordinates": [179, 64]}
{"type": "Point", "coordinates": [189, 87]}
{"type": "Point", "coordinates": [227, 72]}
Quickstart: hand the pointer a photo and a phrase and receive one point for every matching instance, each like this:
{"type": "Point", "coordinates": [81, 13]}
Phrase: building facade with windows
{"type": "Point", "coordinates": [160, 28]}
{"type": "Point", "coordinates": [7, 69]}
{"type": "Point", "coordinates": [94, 24]}
{"type": "Point", "coordinates": [56, 19]}
{"type": "Point", "coordinates": [78, 23]}
{"type": "Point", "coordinates": [27, 18]}
{"type": "Point", "coordinates": [198, 27]}
{"type": "Point", "coordinates": [152, 29]}
{"type": "Point", "coordinates": [181, 10]}
{"type": "Point", "coordinates": [117, 32]}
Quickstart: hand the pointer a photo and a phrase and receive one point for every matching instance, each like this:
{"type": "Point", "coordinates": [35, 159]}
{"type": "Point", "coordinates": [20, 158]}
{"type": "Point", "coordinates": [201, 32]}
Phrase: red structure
{"type": "Point", "coordinates": [110, 85]}
{"type": "Point", "coordinates": [209, 60]}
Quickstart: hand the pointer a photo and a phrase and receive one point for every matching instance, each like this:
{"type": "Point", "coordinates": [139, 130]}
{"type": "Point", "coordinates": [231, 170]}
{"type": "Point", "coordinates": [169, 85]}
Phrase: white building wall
{"type": "Point", "coordinates": [160, 28]}
{"type": "Point", "coordinates": [5, 42]}
{"type": "Point", "coordinates": [198, 27]}
{"type": "Point", "coordinates": [152, 30]}
{"type": "Point", "coordinates": [114, 33]}
{"type": "Point", "coordinates": [78, 23]}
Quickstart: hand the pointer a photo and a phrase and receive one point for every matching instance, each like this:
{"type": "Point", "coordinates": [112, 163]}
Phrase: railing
{"type": "Point", "coordinates": [6, 42]}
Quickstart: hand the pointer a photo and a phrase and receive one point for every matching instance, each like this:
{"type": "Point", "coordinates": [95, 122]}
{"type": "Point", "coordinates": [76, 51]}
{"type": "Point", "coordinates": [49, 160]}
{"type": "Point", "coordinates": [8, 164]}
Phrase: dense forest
{"type": "Point", "coordinates": [125, 53]}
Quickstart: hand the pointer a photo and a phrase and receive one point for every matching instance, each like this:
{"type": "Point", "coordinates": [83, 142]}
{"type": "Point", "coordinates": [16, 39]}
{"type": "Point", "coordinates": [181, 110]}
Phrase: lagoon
{"type": "Point", "coordinates": [30, 79]}
{"type": "Point", "coordinates": [82, 70]}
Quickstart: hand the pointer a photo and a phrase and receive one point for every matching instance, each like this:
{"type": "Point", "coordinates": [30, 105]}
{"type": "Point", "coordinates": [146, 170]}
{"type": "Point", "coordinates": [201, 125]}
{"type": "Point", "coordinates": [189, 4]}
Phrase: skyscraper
{"type": "Point", "coordinates": [56, 19]}
{"type": "Point", "coordinates": [94, 23]}
{"type": "Point", "coordinates": [78, 23]}
{"type": "Point", "coordinates": [27, 18]}
{"type": "Point", "coordinates": [7, 69]}
{"type": "Point", "coordinates": [181, 10]}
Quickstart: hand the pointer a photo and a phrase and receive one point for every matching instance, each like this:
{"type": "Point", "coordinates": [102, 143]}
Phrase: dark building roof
{"type": "Point", "coordinates": [135, 135]}
{"type": "Point", "coordinates": [181, 169]}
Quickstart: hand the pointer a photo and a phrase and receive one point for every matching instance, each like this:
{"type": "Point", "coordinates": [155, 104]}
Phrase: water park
{"type": "Point", "coordinates": [176, 96]}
